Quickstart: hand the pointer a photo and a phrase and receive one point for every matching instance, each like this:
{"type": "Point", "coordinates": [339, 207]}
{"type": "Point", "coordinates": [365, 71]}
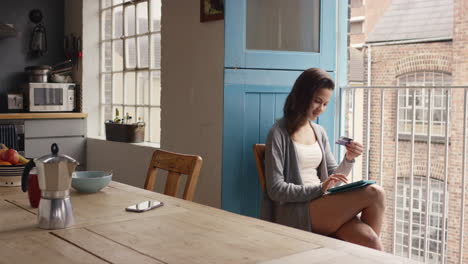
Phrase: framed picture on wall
{"type": "Point", "coordinates": [211, 10]}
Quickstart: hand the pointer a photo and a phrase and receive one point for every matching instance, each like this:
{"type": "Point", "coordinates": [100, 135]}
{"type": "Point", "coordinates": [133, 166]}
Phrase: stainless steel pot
{"type": "Point", "coordinates": [38, 73]}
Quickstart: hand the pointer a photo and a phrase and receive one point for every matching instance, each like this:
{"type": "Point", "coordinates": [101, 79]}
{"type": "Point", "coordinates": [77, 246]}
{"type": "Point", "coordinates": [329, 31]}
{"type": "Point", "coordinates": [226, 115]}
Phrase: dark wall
{"type": "Point", "coordinates": [14, 51]}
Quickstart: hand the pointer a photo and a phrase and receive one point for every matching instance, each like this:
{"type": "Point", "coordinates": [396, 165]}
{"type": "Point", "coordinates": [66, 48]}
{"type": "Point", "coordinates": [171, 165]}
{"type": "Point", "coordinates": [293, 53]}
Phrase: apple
{"type": "Point", "coordinates": [10, 155]}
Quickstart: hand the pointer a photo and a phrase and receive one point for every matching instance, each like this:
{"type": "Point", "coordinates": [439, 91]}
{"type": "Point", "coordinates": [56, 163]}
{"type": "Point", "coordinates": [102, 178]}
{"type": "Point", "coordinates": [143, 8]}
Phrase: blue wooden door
{"type": "Point", "coordinates": [257, 79]}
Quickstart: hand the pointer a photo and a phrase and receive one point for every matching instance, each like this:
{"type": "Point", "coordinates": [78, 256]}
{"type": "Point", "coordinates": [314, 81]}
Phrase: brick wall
{"type": "Point", "coordinates": [388, 62]}
{"type": "Point", "coordinates": [460, 77]}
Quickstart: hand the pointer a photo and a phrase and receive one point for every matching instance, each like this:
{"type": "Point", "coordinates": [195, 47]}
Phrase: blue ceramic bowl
{"type": "Point", "coordinates": [90, 181]}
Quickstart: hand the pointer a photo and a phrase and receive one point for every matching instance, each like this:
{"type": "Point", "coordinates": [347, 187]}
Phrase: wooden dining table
{"type": "Point", "coordinates": [178, 232]}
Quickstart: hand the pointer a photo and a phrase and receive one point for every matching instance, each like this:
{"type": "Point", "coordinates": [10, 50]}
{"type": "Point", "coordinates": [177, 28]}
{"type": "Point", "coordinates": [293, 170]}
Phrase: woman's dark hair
{"type": "Point", "coordinates": [300, 98]}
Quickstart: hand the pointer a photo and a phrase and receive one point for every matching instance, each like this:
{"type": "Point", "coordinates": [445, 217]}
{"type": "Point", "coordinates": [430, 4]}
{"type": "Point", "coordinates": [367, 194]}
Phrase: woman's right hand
{"type": "Point", "coordinates": [332, 180]}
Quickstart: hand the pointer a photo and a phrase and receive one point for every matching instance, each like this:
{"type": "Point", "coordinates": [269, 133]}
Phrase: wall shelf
{"type": "Point", "coordinates": [43, 115]}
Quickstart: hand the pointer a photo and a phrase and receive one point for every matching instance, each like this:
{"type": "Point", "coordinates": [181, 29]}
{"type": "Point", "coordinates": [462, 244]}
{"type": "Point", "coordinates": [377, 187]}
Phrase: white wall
{"type": "Point", "coordinates": [191, 99]}
{"type": "Point", "coordinates": [192, 91]}
{"type": "Point", "coordinates": [90, 65]}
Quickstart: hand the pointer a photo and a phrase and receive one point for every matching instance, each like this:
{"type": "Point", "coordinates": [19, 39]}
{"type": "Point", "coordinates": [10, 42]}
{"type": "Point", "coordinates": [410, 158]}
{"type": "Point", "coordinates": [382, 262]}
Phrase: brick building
{"type": "Point", "coordinates": [414, 43]}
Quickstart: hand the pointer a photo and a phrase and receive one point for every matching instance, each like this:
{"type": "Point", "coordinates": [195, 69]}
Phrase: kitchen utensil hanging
{"type": "Point", "coordinates": [38, 44]}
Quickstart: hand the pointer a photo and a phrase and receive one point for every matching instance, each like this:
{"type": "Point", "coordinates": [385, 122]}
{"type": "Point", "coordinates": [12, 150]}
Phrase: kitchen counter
{"type": "Point", "coordinates": [42, 115]}
{"type": "Point", "coordinates": [178, 232]}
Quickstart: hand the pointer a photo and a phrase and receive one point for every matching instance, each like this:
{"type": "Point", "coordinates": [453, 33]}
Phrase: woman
{"type": "Point", "coordinates": [300, 168]}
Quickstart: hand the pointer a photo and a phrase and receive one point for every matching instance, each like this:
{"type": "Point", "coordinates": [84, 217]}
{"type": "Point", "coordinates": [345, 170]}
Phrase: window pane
{"type": "Point", "coordinates": [116, 2]}
{"type": "Point", "coordinates": [117, 58]}
{"type": "Point", "coordinates": [118, 25]}
{"type": "Point", "coordinates": [356, 3]}
{"type": "Point", "coordinates": [143, 52]}
{"type": "Point", "coordinates": [130, 88]}
{"type": "Point", "coordinates": [106, 90]}
{"type": "Point", "coordinates": [106, 3]}
{"type": "Point", "coordinates": [120, 109]}
{"type": "Point", "coordinates": [143, 116]}
{"type": "Point", "coordinates": [106, 25]}
{"type": "Point", "coordinates": [155, 88]}
{"type": "Point", "coordinates": [355, 28]}
{"type": "Point", "coordinates": [106, 113]}
{"type": "Point", "coordinates": [438, 79]}
{"type": "Point", "coordinates": [429, 78]}
{"type": "Point", "coordinates": [419, 115]}
{"type": "Point", "coordinates": [106, 57]}
{"type": "Point", "coordinates": [155, 124]}
{"type": "Point", "coordinates": [117, 91]}
{"type": "Point", "coordinates": [143, 88]}
{"type": "Point", "coordinates": [420, 78]}
{"type": "Point", "coordinates": [142, 18]}
{"type": "Point", "coordinates": [402, 81]}
{"type": "Point", "coordinates": [277, 25]}
{"type": "Point", "coordinates": [130, 20]}
{"type": "Point", "coordinates": [447, 79]}
{"type": "Point", "coordinates": [129, 111]}
{"type": "Point", "coordinates": [410, 79]}
{"type": "Point", "coordinates": [156, 51]}
{"type": "Point", "coordinates": [155, 24]}
{"type": "Point", "coordinates": [130, 53]}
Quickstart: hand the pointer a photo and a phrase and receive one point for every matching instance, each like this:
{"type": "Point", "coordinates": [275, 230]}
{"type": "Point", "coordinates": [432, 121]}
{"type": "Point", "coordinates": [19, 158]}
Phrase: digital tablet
{"type": "Point", "coordinates": [350, 186]}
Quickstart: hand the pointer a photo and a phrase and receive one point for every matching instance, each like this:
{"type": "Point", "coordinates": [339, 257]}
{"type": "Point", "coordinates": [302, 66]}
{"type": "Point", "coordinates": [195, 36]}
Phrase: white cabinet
{"type": "Point", "coordinates": [69, 134]}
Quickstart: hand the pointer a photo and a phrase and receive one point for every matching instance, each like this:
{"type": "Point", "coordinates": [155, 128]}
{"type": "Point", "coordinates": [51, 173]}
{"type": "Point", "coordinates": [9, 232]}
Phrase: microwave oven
{"type": "Point", "coordinates": [50, 97]}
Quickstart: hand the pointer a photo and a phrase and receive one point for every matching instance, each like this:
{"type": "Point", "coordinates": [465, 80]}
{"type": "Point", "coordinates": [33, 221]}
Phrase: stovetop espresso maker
{"type": "Point", "coordinates": [54, 176]}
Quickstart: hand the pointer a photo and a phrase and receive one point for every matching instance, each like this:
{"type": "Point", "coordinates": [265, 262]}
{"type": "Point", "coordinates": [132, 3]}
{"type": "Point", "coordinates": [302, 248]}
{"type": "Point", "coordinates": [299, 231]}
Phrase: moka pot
{"type": "Point", "coordinates": [54, 172]}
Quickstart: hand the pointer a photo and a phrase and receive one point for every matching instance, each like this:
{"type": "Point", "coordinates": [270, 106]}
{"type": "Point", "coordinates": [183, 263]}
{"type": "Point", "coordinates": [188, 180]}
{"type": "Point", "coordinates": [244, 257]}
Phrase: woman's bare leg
{"type": "Point", "coordinates": [330, 212]}
{"type": "Point", "coordinates": [358, 232]}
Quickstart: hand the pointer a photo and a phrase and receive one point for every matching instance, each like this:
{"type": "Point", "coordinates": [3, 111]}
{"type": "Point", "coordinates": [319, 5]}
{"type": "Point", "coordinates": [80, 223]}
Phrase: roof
{"type": "Point", "coordinates": [413, 20]}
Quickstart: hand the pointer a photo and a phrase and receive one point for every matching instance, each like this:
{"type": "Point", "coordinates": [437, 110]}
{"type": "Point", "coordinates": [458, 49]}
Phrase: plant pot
{"type": "Point", "coordinates": [131, 133]}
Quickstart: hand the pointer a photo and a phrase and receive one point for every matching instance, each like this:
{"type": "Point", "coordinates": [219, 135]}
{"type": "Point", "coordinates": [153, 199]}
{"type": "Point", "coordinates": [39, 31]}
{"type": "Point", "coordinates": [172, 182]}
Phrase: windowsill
{"type": "Point", "coordinates": [422, 138]}
{"type": "Point", "coordinates": [142, 144]}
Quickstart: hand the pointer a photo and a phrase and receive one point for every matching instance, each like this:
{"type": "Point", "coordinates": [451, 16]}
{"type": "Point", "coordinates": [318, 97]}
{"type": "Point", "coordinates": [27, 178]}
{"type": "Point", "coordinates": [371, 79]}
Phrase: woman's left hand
{"type": "Point", "coordinates": [353, 150]}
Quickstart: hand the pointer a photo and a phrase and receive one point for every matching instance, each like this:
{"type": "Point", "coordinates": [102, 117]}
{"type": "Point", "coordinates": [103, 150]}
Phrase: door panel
{"type": "Point", "coordinates": [261, 96]}
{"type": "Point", "coordinates": [284, 51]}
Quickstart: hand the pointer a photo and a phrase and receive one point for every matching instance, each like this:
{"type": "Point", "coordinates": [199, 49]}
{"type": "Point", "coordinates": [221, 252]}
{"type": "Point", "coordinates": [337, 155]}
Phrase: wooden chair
{"type": "Point", "coordinates": [259, 153]}
{"type": "Point", "coordinates": [176, 164]}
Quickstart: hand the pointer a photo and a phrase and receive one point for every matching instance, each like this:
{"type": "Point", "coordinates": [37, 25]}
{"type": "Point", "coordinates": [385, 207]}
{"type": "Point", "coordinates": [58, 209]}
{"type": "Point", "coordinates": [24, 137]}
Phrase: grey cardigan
{"type": "Point", "coordinates": [286, 200]}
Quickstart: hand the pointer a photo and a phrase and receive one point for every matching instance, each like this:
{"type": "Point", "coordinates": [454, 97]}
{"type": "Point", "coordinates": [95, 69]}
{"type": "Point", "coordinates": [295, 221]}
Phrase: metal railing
{"type": "Point", "coordinates": [409, 133]}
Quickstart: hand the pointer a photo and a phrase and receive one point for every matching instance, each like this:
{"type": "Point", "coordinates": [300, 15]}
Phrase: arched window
{"type": "Point", "coordinates": [438, 98]}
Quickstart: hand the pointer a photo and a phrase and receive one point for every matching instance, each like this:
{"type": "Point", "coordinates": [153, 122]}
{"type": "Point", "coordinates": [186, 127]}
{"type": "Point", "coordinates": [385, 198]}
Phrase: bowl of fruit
{"type": "Point", "coordinates": [11, 166]}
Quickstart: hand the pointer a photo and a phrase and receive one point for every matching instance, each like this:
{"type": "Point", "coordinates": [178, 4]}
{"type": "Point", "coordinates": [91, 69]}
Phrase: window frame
{"type": "Point", "coordinates": [406, 100]}
{"type": "Point", "coordinates": [403, 196]}
{"type": "Point", "coordinates": [146, 95]}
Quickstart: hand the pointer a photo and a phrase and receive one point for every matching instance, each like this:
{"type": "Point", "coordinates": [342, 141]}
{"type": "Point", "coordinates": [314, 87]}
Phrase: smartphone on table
{"type": "Point", "coordinates": [144, 206]}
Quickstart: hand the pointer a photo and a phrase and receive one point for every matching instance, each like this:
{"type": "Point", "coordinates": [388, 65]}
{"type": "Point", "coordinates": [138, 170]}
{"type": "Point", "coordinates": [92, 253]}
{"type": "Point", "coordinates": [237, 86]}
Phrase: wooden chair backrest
{"type": "Point", "coordinates": [175, 164]}
{"type": "Point", "coordinates": [259, 153]}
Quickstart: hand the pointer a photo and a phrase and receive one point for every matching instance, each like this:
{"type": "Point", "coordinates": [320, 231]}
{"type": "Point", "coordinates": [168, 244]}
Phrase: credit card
{"type": "Point", "coordinates": [343, 140]}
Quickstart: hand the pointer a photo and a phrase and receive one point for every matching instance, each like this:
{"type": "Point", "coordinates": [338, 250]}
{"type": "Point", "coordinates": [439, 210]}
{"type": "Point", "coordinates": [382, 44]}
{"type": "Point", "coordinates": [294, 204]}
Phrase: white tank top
{"type": "Point", "coordinates": [310, 157]}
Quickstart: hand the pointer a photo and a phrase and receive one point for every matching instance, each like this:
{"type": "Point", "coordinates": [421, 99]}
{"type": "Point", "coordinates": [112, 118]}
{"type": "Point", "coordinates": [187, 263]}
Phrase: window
{"type": "Point", "coordinates": [438, 105]}
{"type": "Point", "coordinates": [130, 62]}
{"type": "Point", "coordinates": [356, 27]}
{"type": "Point", "coordinates": [356, 3]}
{"type": "Point", "coordinates": [280, 25]}
{"type": "Point", "coordinates": [435, 205]}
